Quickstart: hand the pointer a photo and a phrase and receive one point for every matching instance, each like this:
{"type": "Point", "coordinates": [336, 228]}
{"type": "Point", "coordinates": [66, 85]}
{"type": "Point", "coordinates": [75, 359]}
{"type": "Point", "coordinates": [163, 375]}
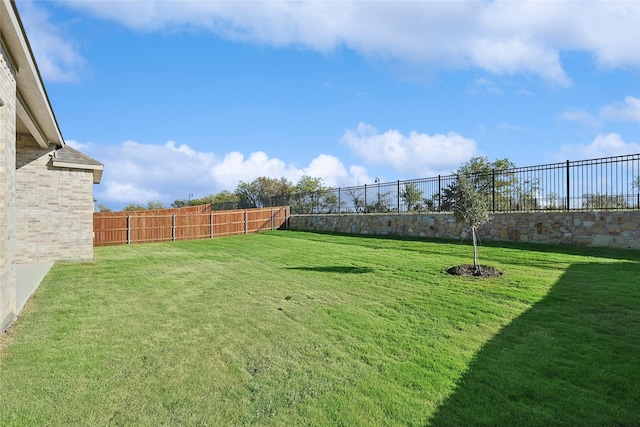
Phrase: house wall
{"type": "Point", "coordinates": [54, 208]}
{"type": "Point", "coordinates": [7, 193]}
{"type": "Point", "coordinates": [612, 229]}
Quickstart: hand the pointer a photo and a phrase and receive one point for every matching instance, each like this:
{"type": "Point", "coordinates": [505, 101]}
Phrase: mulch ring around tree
{"type": "Point", "coordinates": [470, 270]}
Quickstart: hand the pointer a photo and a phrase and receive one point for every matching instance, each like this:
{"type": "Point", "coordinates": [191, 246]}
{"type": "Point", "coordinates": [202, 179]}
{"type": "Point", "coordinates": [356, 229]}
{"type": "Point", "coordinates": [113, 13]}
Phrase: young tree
{"type": "Point", "coordinates": [470, 208]}
{"type": "Point", "coordinates": [487, 177]}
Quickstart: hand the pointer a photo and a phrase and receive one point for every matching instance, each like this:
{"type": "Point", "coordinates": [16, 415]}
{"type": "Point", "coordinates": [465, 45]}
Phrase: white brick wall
{"type": "Point", "coordinates": [54, 208]}
{"type": "Point", "coordinates": [7, 192]}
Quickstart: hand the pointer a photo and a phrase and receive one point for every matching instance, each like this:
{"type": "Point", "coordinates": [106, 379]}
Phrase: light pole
{"type": "Point", "coordinates": [190, 196]}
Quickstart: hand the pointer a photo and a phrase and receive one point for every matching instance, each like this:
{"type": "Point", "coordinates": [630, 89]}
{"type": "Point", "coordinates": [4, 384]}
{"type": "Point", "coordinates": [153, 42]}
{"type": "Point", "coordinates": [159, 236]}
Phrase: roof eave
{"type": "Point", "coordinates": [36, 111]}
{"type": "Point", "coordinates": [96, 169]}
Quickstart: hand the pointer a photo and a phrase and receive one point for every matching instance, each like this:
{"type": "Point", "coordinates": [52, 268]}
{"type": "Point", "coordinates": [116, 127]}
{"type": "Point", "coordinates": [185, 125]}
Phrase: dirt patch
{"type": "Point", "coordinates": [469, 270]}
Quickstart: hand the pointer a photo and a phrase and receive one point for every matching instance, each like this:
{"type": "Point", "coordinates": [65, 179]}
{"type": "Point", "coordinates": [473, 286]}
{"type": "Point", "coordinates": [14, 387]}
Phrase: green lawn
{"type": "Point", "coordinates": [292, 328]}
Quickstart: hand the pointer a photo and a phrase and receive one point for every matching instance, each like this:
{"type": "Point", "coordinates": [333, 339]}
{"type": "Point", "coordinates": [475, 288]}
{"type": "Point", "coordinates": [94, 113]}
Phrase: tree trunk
{"type": "Point", "coordinates": [475, 250]}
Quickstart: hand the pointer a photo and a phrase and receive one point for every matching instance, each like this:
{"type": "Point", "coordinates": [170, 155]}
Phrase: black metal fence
{"type": "Point", "coordinates": [611, 183]}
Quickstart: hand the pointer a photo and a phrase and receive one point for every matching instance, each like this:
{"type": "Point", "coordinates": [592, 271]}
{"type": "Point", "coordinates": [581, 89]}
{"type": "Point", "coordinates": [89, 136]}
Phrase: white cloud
{"type": "Point", "coordinates": [330, 169]}
{"type": "Point", "coordinates": [235, 168]}
{"type": "Point", "coordinates": [417, 154]}
{"type": "Point", "coordinates": [498, 37]}
{"type": "Point", "coordinates": [58, 58]}
{"type": "Point", "coordinates": [604, 145]}
{"type": "Point", "coordinates": [583, 117]}
{"type": "Point", "coordinates": [627, 111]}
{"type": "Point", "coordinates": [359, 174]}
{"type": "Point", "coordinates": [135, 172]}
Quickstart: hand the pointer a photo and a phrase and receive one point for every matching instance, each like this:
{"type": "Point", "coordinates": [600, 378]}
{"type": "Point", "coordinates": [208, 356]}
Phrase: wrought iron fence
{"type": "Point", "coordinates": [610, 183]}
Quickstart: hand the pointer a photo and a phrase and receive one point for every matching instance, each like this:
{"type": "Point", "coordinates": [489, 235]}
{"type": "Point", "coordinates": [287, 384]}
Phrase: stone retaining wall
{"type": "Point", "coordinates": [611, 229]}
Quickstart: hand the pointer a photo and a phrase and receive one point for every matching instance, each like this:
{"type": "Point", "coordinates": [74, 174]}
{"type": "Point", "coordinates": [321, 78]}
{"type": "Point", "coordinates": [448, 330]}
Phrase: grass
{"type": "Point", "coordinates": [293, 328]}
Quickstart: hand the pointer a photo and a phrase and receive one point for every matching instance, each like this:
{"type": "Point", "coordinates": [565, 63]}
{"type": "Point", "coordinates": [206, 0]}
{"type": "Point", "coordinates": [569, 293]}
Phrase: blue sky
{"type": "Point", "coordinates": [179, 97]}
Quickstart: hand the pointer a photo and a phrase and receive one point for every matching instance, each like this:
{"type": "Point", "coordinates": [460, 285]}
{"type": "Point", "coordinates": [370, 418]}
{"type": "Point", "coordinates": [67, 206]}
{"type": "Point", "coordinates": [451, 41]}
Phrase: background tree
{"type": "Point", "coordinates": [103, 208]}
{"type": "Point", "coordinates": [357, 199]}
{"type": "Point", "coordinates": [552, 201]}
{"type": "Point", "coordinates": [381, 205]}
{"type": "Point", "coordinates": [179, 203]}
{"type": "Point", "coordinates": [225, 200]}
{"type": "Point", "coordinates": [263, 191]}
{"type": "Point", "coordinates": [411, 195]}
{"type": "Point", "coordinates": [604, 201]}
{"type": "Point", "coordinates": [274, 192]}
{"type": "Point", "coordinates": [247, 194]}
{"type": "Point", "coordinates": [154, 204]}
{"type": "Point", "coordinates": [310, 195]}
{"type": "Point", "coordinates": [131, 207]}
{"type": "Point", "coordinates": [471, 208]}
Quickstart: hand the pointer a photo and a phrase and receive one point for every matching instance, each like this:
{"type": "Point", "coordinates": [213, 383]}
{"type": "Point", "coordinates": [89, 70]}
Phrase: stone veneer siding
{"type": "Point", "coordinates": [7, 193]}
{"type": "Point", "coordinates": [54, 208]}
{"type": "Point", "coordinates": [612, 229]}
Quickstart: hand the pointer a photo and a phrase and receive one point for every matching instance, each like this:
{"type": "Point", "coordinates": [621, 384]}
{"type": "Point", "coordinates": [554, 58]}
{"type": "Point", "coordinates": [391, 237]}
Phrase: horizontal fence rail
{"type": "Point", "coordinates": [611, 183]}
{"type": "Point", "coordinates": [188, 223]}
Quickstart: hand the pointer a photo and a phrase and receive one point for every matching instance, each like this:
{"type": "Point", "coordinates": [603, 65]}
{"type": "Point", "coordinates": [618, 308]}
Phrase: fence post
{"type": "Point", "coordinates": [568, 187]}
{"type": "Point", "coordinates": [211, 225]}
{"type": "Point", "coordinates": [246, 221]}
{"type": "Point", "coordinates": [128, 229]}
{"type": "Point", "coordinates": [493, 192]}
{"type": "Point", "coordinates": [439, 195]}
{"type": "Point", "coordinates": [173, 227]}
{"type": "Point", "coordinates": [366, 207]}
{"type": "Point", "coordinates": [398, 196]}
{"type": "Point", "coordinates": [271, 219]}
{"type": "Point", "coordinates": [339, 202]}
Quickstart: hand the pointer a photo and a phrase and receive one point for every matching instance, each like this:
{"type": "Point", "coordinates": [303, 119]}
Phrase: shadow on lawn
{"type": "Point", "coordinates": [600, 252]}
{"type": "Point", "coordinates": [572, 359]}
{"type": "Point", "coordinates": [335, 269]}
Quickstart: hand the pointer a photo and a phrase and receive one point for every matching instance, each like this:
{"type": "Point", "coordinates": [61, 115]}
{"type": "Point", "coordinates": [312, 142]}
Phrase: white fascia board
{"type": "Point", "coordinates": [30, 123]}
{"type": "Point", "coordinates": [35, 102]}
{"type": "Point", "coordinates": [97, 169]}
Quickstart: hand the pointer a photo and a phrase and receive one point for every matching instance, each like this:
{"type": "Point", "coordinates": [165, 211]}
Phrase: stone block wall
{"type": "Point", "coordinates": [611, 229]}
{"type": "Point", "coordinates": [54, 208]}
{"type": "Point", "coordinates": [7, 192]}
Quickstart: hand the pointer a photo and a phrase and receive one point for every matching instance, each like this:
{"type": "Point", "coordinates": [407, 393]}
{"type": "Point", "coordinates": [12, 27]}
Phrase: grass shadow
{"type": "Point", "coordinates": [572, 359]}
{"type": "Point", "coordinates": [568, 249]}
{"type": "Point", "coordinates": [335, 269]}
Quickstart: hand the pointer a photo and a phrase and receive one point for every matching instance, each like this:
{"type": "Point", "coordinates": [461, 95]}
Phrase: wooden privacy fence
{"type": "Point", "coordinates": [189, 223]}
